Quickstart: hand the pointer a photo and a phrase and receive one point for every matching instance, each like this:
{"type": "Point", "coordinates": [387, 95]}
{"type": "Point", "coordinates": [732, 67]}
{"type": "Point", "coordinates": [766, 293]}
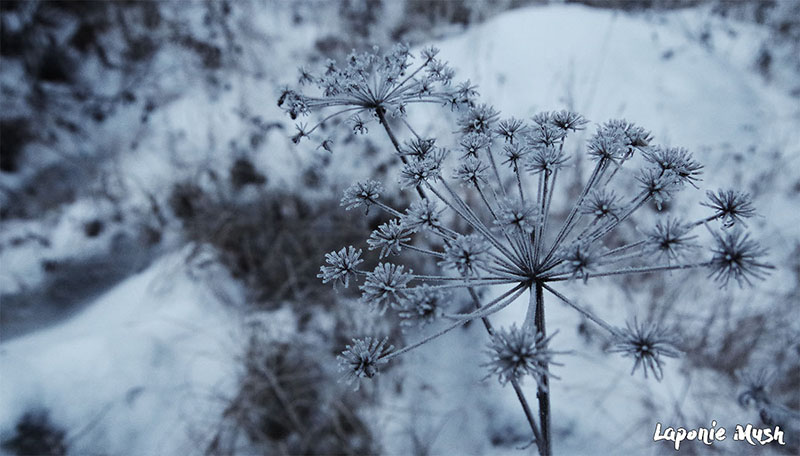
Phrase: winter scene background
{"type": "Point", "coordinates": [162, 227]}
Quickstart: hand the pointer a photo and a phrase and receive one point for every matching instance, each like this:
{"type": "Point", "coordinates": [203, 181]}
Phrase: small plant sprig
{"type": "Point", "coordinates": [507, 172]}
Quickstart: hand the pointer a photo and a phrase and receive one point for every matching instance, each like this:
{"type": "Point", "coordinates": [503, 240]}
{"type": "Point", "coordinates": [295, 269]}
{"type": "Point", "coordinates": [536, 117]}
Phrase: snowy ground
{"type": "Point", "coordinates": [144, 365]}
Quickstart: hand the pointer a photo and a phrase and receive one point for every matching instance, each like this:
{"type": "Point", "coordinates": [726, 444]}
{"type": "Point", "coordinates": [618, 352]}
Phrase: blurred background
{"type": "Point", "coordinates": [160, 234]}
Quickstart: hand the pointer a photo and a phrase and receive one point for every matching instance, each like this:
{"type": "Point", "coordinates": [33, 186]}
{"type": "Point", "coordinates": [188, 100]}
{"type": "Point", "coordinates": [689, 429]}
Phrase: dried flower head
{"type": "Point", "coordinates": [362, 194]}
{"type": "Point", "coordinates": [546, 159]}
{"type": "Point", "coordinates": [676, 160]}
{"type": "Point", "coordinates": [516, 353]}
{"type": "Point", "coordinates": [466, 254]}
{"type": "Point", "coordinates": [646, 344]}
{"type": "Point", "coordinates": [362, 358]}
{"type": "Point", "coordinates": [567, 120]}
{"type": "Point", "coordinates": [730, 206]}
{"type": "Point", "coordinates": [580, 259]}
{"type": "Point", "coordinates": [659, 184]}
{"type": "Point", "coordinates": [416, 172]}
{"type": "Point", "coordinates": [472, 171]}
{"type": "Point", "coordinates": [515, 155]}
{"type": "Point", "coordinates": [516, 215]}
{"type": "Point", "coordinates": [419, 148]}
{"type": "Point", "coordinates": [377, 84]}
{"type": "Point", "coordinates": [669, 239]}
{"type": "Point", "coordinates": [479, 119]}
{"type": "Point", "coordinates": [340, 266]}
{"type": "Point", "coordinates": [601, 203]}
{"type": "Point", "coordinates": [422, 305]}
{"type": "Point", "coordinates": [472, 143]}
{"type": "Point", "coordinates": [389, 237]}
{"type": "Point", "coordinates": [510, 130]}
{"type": "Point", "coordinates": [737, 257]}
{"type": "Point", "coordinates": [423, 214]}
{"type": "Point", "coordinates": [545, 135]}
{"type": "Point", "coordinates": [385, 286]}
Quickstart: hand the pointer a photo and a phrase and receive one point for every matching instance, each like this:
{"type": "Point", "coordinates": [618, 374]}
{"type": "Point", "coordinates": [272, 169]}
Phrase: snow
{"type": "Point", "coordinates": [140, 371]}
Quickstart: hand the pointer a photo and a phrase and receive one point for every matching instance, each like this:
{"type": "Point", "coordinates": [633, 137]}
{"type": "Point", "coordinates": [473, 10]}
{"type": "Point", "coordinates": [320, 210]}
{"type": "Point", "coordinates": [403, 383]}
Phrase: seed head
{"type": "Point", "coordinates": [601, 203]}
{"type": "Point", "coordinates": [466, 253]}
{"type": "Point", "coordinates": [419, 148]}
{"type": "Point", "coordinates": [670, 239]}
{"type": "Point", "coordinates": [385, 286]}
{"type": "Point", "coordinates": [546, 159]}
{"type": "Point", "coordinates": [581, 259]}
{"type": "Point", "coordinates": [567, 120]}
{"type": "Point", "coordinates": [388, 238]}
{"type": "Point", "coordinates": [472, 171]}
{"type": "Point", "coordinates": [510, 130]}
{"type": "Point", "coordinates": [364, 193]}
{"type": "Point", "coordinates": [362, 358]}
{"type": "Point", "coordinates": [646, 344]}
{"type": "Point", "coordinates": [737, 257]}
{"type": "Point", "coordinates": [676, 160]}
{"type": "Point", "coordinates": [472, 143]}
{"type": "Point", "coordinates": [516, 353]}
{"type": "Point", "coordinates": [341, 265]}
{"type": "Point", "coordinates": [514, 154]}
{"type": "Point", "coordinates": [423, 214]}
{"type": "Point", "coordinates": [514, 215]}
{"type": "Point", "coordinates": [479, 119]}
{"type": "Point", "coordinates": [422, 305]}
{"type": "Point", "coordinates": [731, 206]}
{"type": "Point", "coordinates": [659, 184]}
{"type": "Point", "coordinates": [417, 172]}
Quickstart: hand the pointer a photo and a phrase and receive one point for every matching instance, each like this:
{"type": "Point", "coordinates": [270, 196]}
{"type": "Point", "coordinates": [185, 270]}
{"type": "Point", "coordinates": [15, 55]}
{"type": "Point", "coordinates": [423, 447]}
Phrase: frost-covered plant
{"type": "Point", "coordinates": [507, 170]}
{"type": "Point", "coordinates": [374, 84]}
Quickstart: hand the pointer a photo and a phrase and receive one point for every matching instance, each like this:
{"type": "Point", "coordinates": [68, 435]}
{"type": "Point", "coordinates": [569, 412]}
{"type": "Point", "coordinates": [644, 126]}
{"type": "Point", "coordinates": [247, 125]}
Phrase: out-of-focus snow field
{"type": "Point", "coordinates": [145, 364]}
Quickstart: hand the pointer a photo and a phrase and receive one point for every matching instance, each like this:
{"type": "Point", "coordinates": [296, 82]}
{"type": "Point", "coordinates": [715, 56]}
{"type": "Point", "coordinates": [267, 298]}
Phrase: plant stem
{"type": "Point", "coordinates": [543, 393]}
{"type": "Point", "coordinates": [537, 437]}
{"type": "Point", "coordinates": [395, 143]}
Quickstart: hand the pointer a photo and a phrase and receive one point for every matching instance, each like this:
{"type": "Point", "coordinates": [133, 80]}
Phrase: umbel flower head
{"type": "Point", "coordinates": [373, 84]}
{"type": "Point", "coordinates": [362, 358]}
{"type": "Point", "coordinates": [647, 344]}
{"type": "Point", "coordinates": [497, 229]}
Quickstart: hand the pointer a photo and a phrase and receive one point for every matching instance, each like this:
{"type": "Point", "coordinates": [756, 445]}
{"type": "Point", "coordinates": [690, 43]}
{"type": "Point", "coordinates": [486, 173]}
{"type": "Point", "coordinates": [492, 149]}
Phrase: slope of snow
{"type": "Point", "coordinates": [141, 371]}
